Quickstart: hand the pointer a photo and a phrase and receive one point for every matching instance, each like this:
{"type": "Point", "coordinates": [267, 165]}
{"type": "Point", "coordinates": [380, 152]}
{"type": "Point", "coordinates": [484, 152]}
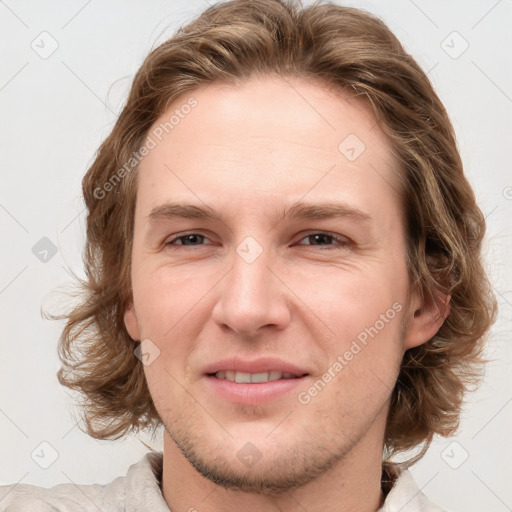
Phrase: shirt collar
{"type": "Point", "coordinates": [406, 496]}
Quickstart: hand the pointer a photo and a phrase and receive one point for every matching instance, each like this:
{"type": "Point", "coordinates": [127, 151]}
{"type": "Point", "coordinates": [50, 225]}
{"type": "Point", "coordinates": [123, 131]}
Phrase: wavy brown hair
{"type": "Point", "coordinates": [344, 49]}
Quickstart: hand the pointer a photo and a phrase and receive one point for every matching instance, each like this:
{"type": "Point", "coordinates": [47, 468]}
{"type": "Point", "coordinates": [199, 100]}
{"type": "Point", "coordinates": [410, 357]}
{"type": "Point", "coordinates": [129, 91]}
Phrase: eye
{"type": "Point", "coordinates": [324, 238]}
{"type": "Point", "coordinates": [316, 239]}
{"type": "Point", "coordinates": [187, 239]}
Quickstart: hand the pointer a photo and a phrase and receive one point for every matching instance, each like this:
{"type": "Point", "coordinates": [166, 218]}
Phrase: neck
{"type": "Point", "coordinates": [352, 484]}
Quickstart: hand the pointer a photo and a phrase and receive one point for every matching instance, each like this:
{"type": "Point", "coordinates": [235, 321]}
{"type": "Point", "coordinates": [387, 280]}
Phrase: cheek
{"type": "Point", "coordinates": [363, 312]}
{"type": "Point", "coordinates": [371, 347]}
{"type": "Point", "coordinates": [161, 381]}
{"type": "Point", "coordinates": [361, 369]}
{"type": "Point", "coordinates": [167, 300]}
{"type": "Point", "coordinates": [348, 300]}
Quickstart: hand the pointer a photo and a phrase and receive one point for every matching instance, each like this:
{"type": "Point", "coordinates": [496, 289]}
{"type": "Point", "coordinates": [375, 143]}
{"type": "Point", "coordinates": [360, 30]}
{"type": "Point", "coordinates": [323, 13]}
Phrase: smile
{"type": "Point", "coordinates": [247, 378]}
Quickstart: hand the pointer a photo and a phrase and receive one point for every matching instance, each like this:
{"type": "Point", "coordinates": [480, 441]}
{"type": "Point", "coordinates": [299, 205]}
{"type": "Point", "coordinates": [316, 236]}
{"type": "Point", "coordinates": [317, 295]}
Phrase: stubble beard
{"type": "Point", "coordinates": [275, 473]}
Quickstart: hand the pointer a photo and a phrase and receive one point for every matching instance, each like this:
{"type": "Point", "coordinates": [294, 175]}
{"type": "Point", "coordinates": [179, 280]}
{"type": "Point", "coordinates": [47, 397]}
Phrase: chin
{"type": "Point", "coordinates": [257, 460]}
{"type": "Point", "coordinates": [267, 471]}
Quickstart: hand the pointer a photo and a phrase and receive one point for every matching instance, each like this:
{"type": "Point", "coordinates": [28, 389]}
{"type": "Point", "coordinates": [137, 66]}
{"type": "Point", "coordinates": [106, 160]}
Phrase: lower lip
{"type": "Point", "coordinates": [255, 393]}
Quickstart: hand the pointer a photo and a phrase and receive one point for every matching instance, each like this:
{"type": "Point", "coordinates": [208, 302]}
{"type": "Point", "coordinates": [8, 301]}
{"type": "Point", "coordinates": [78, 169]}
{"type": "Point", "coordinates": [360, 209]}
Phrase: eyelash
{"type": "Point", "coordinates": [343, 241]}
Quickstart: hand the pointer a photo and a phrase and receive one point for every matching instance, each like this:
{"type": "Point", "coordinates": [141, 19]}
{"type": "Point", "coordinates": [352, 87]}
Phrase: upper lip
{"type": "Point", "coordinates": [260, 365]}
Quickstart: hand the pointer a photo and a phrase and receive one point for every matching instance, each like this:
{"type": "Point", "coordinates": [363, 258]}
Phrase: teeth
{"type": "Point", "coordinates": [245, 378]}
{"type": "Point", "coordinates": [274, 375]}
{"type": "Point", "coordinates": [259, 377]}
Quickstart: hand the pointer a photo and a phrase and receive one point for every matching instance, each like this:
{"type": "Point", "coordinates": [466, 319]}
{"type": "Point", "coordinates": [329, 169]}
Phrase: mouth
{"type": "Point", "coordinates": [254, 378]}
{"type": "Point", "coordinates": [254, 382]}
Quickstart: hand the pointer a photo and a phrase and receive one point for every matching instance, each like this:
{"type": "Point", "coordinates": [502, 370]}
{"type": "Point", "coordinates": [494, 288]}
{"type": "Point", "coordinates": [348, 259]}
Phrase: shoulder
{"type": "Point", "coordinates": [141, 484]}
{"type": "Point", "coordinates": [406, 496]}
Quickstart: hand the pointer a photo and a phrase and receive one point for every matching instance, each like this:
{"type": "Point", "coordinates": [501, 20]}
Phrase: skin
{"type": "Point", "coordinates": [250, 151]}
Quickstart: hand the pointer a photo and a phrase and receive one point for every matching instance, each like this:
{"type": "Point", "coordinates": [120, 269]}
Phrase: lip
{"type": "Point", "coordinates": [262, 364]}
{"type": "Point", "coordinates": [254, 393]}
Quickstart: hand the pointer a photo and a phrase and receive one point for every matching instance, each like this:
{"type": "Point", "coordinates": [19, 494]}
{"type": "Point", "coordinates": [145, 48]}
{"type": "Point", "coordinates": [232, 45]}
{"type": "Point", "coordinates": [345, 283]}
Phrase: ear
{"type": "Point", "coordinates": [425, 317]}
{"type": "Point", "coordinates": [131, 323]}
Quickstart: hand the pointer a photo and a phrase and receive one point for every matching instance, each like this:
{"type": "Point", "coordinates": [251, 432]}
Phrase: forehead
{"type": "Point", "coordinates": [266, 140]}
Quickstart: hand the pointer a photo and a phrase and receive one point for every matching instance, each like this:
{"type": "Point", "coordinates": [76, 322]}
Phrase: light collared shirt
{"type": "Point", "coordinates": [140, 491]}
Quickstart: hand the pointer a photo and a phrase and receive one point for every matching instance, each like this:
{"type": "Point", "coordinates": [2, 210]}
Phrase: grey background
{"type": "Point", "coordinates": [55, 111]}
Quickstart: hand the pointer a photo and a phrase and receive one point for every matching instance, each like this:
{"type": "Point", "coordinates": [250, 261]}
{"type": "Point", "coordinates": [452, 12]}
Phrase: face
{"type": "Point", "coordinates": [275, 327]}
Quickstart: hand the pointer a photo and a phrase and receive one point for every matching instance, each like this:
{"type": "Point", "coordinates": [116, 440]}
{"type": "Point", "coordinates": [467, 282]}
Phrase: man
{"type": "Point", "coordinates": [283, 260]}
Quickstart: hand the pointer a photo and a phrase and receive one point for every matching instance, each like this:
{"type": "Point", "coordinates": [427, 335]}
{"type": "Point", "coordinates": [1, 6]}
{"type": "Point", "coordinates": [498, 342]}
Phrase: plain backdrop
{"type": "Point", "coordinates": [65, 70]}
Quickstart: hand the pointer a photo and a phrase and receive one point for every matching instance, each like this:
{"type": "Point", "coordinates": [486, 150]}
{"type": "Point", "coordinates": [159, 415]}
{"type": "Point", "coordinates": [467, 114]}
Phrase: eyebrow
{"type": "Point", "coordinates": [299, 210]}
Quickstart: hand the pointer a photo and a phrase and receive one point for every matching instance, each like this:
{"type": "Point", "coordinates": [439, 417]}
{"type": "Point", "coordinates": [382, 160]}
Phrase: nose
{"type": "Point", "coordinates": [252, 296]}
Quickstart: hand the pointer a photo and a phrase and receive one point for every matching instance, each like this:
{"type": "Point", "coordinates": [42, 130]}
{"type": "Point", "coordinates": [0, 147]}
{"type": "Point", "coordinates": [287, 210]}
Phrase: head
{"type": "Point", "coordinates": [266, 114]}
